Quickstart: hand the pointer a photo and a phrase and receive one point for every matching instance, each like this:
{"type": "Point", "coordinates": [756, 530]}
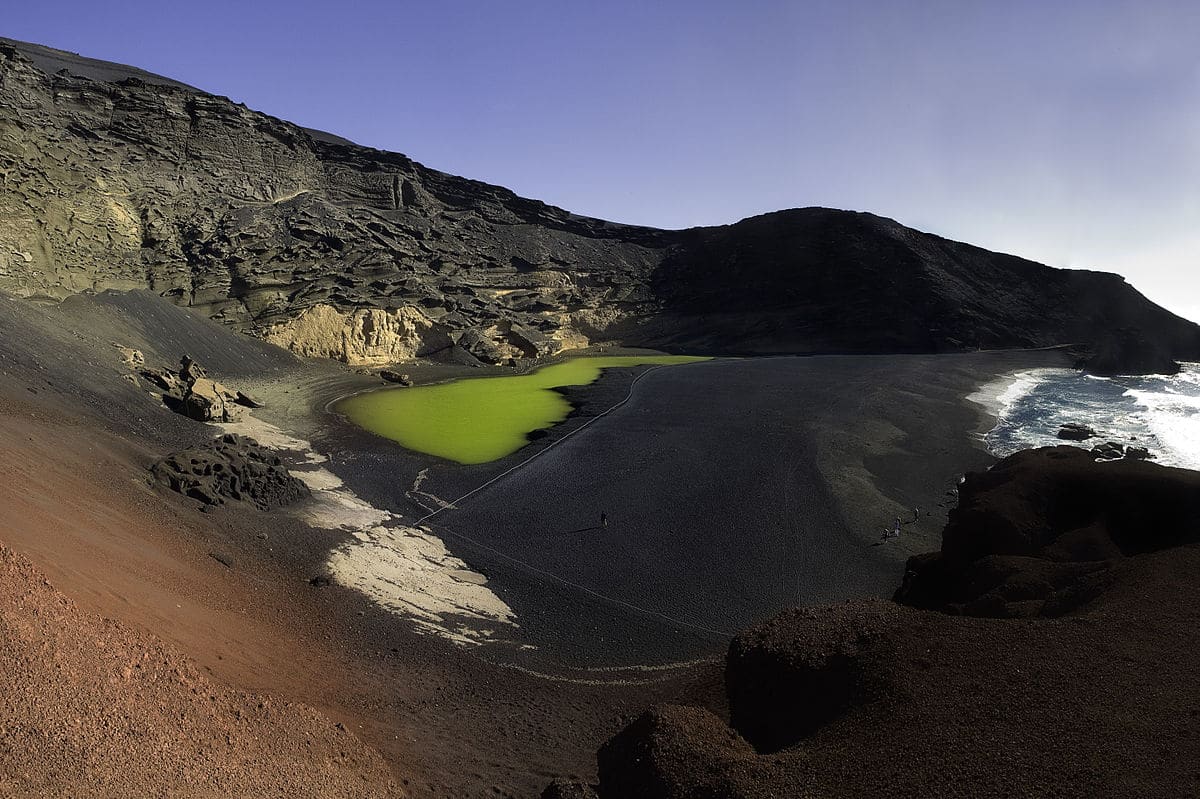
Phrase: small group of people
{"type": "Point", "coordinates": [895, 531]}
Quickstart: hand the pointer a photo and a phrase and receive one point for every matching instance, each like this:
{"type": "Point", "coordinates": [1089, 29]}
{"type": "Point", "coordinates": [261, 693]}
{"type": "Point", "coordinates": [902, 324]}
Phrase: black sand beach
{"type": "Point", "coordinates": [733, 489]}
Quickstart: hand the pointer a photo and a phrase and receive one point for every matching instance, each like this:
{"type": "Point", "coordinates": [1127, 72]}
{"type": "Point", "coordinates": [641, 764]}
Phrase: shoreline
{"type": "Point", "coordinates": [388, 457]}
{"type": "Point", "coordinates": [997, 396]}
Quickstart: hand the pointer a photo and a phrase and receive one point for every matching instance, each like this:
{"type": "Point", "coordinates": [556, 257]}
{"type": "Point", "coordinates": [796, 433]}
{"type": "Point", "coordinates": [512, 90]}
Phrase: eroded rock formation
{"type": "Point", "coordinates": [231, 467]}
{"type": "Point", "coordinates": [113, 178]}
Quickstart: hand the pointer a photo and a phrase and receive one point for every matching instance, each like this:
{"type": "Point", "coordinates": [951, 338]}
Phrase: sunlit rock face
{"type": "Point", "coordinates": [113, 178]}
{"type": "Point", "coordinates": [331, 249]}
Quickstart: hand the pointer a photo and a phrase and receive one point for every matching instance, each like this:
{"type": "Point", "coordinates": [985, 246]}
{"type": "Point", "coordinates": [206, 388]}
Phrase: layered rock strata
{"type": "Point", "coordinates": [113, 178]}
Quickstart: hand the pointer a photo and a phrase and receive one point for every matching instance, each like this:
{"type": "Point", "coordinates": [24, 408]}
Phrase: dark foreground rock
{"type": "Point", "coordinates": [873, 698]}
{"type": "Point", "coordinates": [1112, 450]}
{"type": "Point", "coordinates": [231, 467]}
{"type": "Point", "coordinates": [788, 677]}
{"type": "Point", "coordinates": [1036, 534]}
{"type": "Point", "coordinates": [672, 751]}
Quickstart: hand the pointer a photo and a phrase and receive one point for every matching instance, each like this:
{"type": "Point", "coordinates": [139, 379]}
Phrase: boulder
{"type": "Point", "coordinates": [482, 346]}
{"type": "Point", "coordinates": [190, 371]}
{"type": "Point", "coordinates": [791, 675]}
{"type": "Point", "coordinates": [166, 380]}
{"type": "Point", "coordinates": [1075, 432]}
{"type": "Point", "coordinates": [131, 357]}
{"type": "Point", "coordinates": [532, 343]}
{"type": "Point", "coordinates": [1038, 533]}
{"type": "Point", "coordinates": [231, 467]}
{"type": "Point", "coordinates": [1109, 450]}
{"type": "Point", "coordinates": [192, 393]}
{"type": "Point", "coordinates": [207, 401]}
{"type": "Point", "coordinates": [672, 752]}
{"type": "Point", "coordinates": [395, 377]}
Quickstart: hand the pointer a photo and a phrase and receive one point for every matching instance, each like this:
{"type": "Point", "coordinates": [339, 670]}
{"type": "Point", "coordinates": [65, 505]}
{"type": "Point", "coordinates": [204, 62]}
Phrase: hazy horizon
{"type": "Point", "coordinates": [1067, 135]}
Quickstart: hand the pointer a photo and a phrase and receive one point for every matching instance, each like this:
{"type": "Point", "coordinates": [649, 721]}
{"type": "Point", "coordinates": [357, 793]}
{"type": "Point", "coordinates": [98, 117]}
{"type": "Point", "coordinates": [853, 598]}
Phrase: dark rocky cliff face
{"type": "Point", "coordinates": [820, 279]}
{"type": "Point", "coordinates": [113, 178]}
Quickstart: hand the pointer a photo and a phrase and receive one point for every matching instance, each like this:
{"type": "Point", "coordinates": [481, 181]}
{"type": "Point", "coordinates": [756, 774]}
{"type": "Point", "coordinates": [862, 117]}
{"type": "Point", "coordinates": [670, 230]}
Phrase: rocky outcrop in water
{"type": "Point", "coordinates": [1074, 431]}
{"type": "Point", "coordinates": [113, 178]}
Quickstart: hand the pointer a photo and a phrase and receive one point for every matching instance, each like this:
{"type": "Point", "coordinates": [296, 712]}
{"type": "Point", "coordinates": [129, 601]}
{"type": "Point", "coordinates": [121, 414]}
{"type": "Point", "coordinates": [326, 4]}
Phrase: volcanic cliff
{"type": "Point", "coordinates": [114, 178]}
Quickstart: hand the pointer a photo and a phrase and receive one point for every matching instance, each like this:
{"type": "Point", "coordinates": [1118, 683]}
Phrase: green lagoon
{"type": "Point", "coordinates": [481, 419]}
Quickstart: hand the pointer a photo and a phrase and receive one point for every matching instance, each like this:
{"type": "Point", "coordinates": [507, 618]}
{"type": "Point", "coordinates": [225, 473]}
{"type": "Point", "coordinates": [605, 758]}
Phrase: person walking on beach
{"type": "Point", "coordinates": [603, 519]}
{"type": "Point", "coordinates": [896, 527]}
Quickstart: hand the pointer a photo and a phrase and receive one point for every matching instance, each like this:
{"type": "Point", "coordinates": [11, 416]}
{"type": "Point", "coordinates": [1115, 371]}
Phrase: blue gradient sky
{"type": "Point", "coordinates": [1066, 132]}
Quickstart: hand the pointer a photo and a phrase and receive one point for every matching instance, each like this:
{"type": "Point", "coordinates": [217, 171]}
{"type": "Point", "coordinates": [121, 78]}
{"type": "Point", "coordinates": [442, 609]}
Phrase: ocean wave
{"type": "Point", "coordinates": [1023, 383]}
{"type": "Point", "coordinates": [1173, 417]}
{"type": "Point", "coordinates": [1159, 412]}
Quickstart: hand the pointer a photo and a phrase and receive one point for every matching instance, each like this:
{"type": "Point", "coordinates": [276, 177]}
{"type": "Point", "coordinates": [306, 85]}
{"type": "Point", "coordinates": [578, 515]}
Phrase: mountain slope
{"type": "Point", "coordinates": [113, 178]}
{"type": "Point", "coordinates": [835, 280]}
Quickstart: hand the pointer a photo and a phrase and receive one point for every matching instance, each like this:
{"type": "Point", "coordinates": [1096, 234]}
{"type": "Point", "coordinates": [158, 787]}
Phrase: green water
{"type": "Point", "coordinates": [481, 419]}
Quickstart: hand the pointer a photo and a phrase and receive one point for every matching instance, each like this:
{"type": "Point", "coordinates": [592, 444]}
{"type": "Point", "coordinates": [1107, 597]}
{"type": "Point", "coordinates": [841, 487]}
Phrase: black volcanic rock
{"type": "Point", "coordinates": [792, 675]}
{"type": "Point", "coordinates": [1037, 533]}
{"type": "Point", "coordinates": [567, 789]}
{"type": "Point", "coordinates": [334, 250]}
{"type": "Point", "coordinates": [672, 752]}
{"type": "Point", "coordinates": [231, 467]}
{"type": "Point", "coordinates": [1073, 431]}
{"type": "Point", "coordinates": [1130, 351]}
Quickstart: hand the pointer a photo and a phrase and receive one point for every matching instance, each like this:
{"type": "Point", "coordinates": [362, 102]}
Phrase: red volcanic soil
{"type": "Point", "coordinates": [131, 680]}
{"type": "Point", "coordinates": [92, 707]}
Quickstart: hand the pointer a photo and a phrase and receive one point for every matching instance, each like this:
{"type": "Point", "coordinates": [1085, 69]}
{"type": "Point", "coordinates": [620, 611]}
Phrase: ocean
{"type": "Point", "coordinates": [1157, 412]}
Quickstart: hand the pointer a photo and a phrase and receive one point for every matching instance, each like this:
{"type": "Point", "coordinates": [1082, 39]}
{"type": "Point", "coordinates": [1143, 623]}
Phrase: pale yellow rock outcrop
{"type": "Point", "coordinates": [364, 337]}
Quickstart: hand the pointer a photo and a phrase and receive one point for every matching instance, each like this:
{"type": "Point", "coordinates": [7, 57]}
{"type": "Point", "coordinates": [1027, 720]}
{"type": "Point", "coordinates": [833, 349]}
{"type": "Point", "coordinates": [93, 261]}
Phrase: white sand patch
{"type": "Point", "coordinates": [341, 509]}
{"type": "Point", "coordinates": [318, 479]}
{"type": "Point", "coordinates": [408, 570]}
{"type": "Point", "coordinates": [271, 436]}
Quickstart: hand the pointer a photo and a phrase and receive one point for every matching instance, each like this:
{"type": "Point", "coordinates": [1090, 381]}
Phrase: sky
{"type": "Point", "coordinates": [1065, 132]}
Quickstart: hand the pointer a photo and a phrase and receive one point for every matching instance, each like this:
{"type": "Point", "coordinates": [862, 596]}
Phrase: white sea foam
{"type": "Point", "coordinates": [1159, 412]}
{"type": "Point", "coordinates": [1000, 395]}
{"type": "Point", "coordinates": [1174, 418]}
{"type": "Point", "coordinates": [1023, 383]}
